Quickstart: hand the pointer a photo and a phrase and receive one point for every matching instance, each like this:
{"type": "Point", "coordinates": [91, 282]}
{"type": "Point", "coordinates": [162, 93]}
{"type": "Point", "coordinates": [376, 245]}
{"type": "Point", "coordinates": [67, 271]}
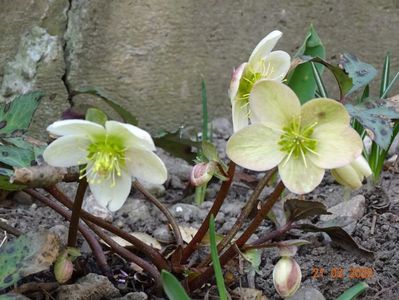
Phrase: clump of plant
{"type": "Point", "coordinates": [285, 125]}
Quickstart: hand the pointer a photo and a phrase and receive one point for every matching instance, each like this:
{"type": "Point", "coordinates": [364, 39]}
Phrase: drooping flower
{"type": "Point", "coordinates": [301, 141]}
{"type": "Point", "coordinates": [353, 174]}
{"type": "Point", "coordinates": [262, 64]}
{"type": "Point", "coordinates": [114, 154]}
{"type": "Point", "coordinates": [287, 276]}
{"type": "Point", "coordinates": [203, 172]}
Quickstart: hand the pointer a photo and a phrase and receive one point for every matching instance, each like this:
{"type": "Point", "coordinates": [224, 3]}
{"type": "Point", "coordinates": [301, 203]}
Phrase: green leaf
{"type": "Point", "coordinates": [296, 209]}
{"type": "Point", "coordinates": [354, 291]}
{"type": "Point", "coordinates": [254, 257]}
{"type": "Point", "coordinates": [339, 236]}
{"type": "Point", "coordinates": [385, 74]}
{"type": "Point", "coordinates": [28, 254]}
{"type": "Point", "coordinates": [172, 287]}
{"type": "Point", "coordinates": [176, 145]}
{"type": "Point", "coordinates": [209, 151]}
{"type": "Point", "coordinates": [13, 296]}
{"type": "Point", "coordinates": [215, 260]}
{"type": "Point", "coordinates": [301, 79]}
{"type": "Point", "coordinates": [96, 115]}
{"type": "Point", "coordinates": [376, 115]}
{"type": "Point", "coordinates": [18, 114]}
{"type": "Point", "coordinates": [360, 72]}
{"type": "Point", "coordinates": [126, 116]}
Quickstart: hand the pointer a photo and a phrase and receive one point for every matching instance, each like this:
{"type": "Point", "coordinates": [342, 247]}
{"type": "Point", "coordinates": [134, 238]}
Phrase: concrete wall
{"type": "Point", "coordinates": [150, 55]}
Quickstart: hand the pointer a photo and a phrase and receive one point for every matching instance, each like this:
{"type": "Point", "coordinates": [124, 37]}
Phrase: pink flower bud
{"type": "Point", "coordinates": [202, 173]}
{"type": "Point", "coordinates": [287, 276]}
{"type": "Point", "coordinates": [63, 269]}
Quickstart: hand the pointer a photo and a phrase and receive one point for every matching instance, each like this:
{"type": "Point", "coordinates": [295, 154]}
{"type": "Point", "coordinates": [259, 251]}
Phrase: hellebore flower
{"type": "Point", "coordinates": [353, 174]}
{"type": "Point", "coordinates": [203, 172]}
{"type": "Point", "coordinates": [301, 141]}
{"type": "Point", "coordinates": [262, 64]}
{"type": "Point", "coordinates": [287, 276]}
{"type": "Point", "coordinates": [113, 155]}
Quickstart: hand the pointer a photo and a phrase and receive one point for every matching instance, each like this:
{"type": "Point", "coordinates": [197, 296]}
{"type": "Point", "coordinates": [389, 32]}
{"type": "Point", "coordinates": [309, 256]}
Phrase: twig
{"type": "Point", "coordinates": [377, 296]}
{"type": "Point", "coordinates": [249, 206]}
{"type": "Point", "coordinates": [77, 206]}
{"type": "Point", "coordinates": [224, 189]}
{"type": "Point", "coordinates": [231, 252]}
{"type": "Point", "coordinates": [90, 238]}
{"type": "Point", "coordinates": [4, 226]}
{"type": "Point", "coordinates": [147, 267]}
{"type": "Point", "coordinates": [159, 261]}
{"type": "Point", "coordinates": [373, 222]}
{"type": "Point", "coordinates": [36, 286]}
{"type": "Point", "coordinates": [164, 210]}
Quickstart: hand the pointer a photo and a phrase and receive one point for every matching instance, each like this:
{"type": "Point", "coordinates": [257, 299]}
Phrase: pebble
{"type": "Point", "coordinates": [91, 206]}
{"type": "Point", "coordinates": [307, 293]}
{"type": "Point", "coordinates": [133, 296]}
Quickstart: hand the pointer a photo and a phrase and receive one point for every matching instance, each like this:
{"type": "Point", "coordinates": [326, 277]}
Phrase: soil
{"type": "Point", "coordinates": [377, 230]}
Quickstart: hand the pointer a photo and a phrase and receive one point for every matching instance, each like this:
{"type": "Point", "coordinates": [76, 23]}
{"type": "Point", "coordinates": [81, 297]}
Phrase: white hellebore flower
{"type": "Point", "coordinates": [262, 64]}
{"type": "Point", "coordinates": [353, 174]}
{"type": "Point", "coordinates": [113, 155]}
{"type": "Point", "coordinates": [301, 141]}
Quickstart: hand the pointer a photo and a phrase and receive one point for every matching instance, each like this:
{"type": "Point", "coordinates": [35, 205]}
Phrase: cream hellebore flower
{"type": "Point", "coordinates": [262, 64]}
{"type": "Point", "coordinates": [301, 141]}
{"type": "Point", "coordinates": [113, 155]}
{"type": "Point", "coordinates": [353, 174]}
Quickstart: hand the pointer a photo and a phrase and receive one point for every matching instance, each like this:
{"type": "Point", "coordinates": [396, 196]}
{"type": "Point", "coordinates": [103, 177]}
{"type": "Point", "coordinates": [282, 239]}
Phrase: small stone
{"type": "Point", "coordinates": [345, 214]}
{"type": "Point", "coordinates": [163, 234]}
{"type": "Point", "coordinates": [187, 212]}
{"type": "Point", "coordinates": [91, 206]}
{"type": "Point", "coordinates": [90, 287]}
{"type": "Point", "coordinates": [23, 198]}
{"type": "Point", "coordinates": [134, 209]}
{"type": "Point", "coordinates": [222, 127]}
{"type": "Point", "coordinates": [307, 293]}
{"type": "Point", "coordinates": [133, 296]}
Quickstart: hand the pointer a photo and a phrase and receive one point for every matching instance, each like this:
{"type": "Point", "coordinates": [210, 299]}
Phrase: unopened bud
{"type": "Point", "coordinates": [63, 269]}
{"type": "Point", "coordinates": [287, 276]}
{"type": "Point", "coordinates": [202, 173]}
{"type": "Point", "coordinates": [353, 174]}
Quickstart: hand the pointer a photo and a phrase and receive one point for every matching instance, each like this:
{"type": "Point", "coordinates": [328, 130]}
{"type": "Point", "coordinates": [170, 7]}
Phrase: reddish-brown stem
{"type": "Point", "coordinates": [224, 189]}
{"type": "Point", "coordinates": [266, 237]}
{"type": "Point", "coordinates": [249, 206]}
{"type": "Point", "coordinates": [159, 261]}
{"type": "Point", "coordinates": [77, 206]}
{"type": "Point", "coordinates": [90, 238]}
{"type": "Point", "coordinates": [231, 252]}
{"type": "Point", "coordinates": [147, 267]}
{"type": "Point", "coordinates": [163, 209]}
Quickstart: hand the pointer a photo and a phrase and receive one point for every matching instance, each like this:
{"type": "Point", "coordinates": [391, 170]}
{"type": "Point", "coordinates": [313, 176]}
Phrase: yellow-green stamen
{"type": "Point", "coordinates": [297, 141]}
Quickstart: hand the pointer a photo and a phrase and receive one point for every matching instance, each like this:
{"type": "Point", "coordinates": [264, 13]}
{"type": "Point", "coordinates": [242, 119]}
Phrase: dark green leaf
{"type": "Point", "coordinates": [172, 287]}
{"type": "Point", "coordinates": [176, 145]}
{"type": "Point", "coordinates": [301, 79]}
{"type": "Point", "coordinates": [123, 113]}
{"type": "Point", "coordinates": [17, 152]}
{"type": "Point", "coordinates": [338, 236]}
{"type": "Point", "coordinates": [376, 115]}
{"type": "Point", "coordinates": [17, 114]}
{"type": "Point", "coordinates": [360, 72]}
{"type": "Point", "coordinates": [96, 115]}
{"type": "Point", "coordinates": [300, 209]}
{"type": "Point", "coordinates": [354, 291]}
{"type": "Point", "coordinates": [28, 254]}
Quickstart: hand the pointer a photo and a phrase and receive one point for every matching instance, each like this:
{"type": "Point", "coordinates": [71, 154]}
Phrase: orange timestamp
{"type": "Point", "coordinates": [341, 272]}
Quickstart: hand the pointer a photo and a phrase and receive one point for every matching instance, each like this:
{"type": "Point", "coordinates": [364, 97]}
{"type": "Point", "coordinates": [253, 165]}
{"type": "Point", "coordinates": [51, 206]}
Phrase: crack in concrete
{"type": "Point", "coordinates": [64, 77]}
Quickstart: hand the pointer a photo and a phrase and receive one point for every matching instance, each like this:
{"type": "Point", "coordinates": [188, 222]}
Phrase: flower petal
{"type": "Point", "coordinates": [75, 127]}
{"type": "Point", "coordinates": [146, 165]}
{"type": "Point", "coordinates": [67, 151]}
{"type": "Point", "coordinates": [347, 176]}
{"type": "Point", "coordinates": [235, 81]}
{"type": "Point", "coordinates": [273, 104]}
{"type": "Point", "coordinates": [337, 145]}
{"type": "Point", "coordinates": [255, 147]}
{"type": "Point", "coordinates": [277, 64]}
{"type": "Point", "coordinates": [297, 177]}
{"type": "Point", "coordinates": [131, 135]}
{"type": "Point", "coordinates": [323, 111]}
{"type": "Point", "coordinates": [265, 46]}
{"type": "Point", "coordinates": [240, 115]}
{"type": "Point", "coordinates": [110, 196]}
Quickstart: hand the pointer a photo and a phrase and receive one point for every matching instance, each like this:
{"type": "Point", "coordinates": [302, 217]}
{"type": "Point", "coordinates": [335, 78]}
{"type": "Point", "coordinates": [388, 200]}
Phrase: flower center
{"type": "Point", "coordinates": [296, 141]}
{"type": "Point", "coordinates": [107, 158]}
{"type": "Point", "coordinates": [250, 77]}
